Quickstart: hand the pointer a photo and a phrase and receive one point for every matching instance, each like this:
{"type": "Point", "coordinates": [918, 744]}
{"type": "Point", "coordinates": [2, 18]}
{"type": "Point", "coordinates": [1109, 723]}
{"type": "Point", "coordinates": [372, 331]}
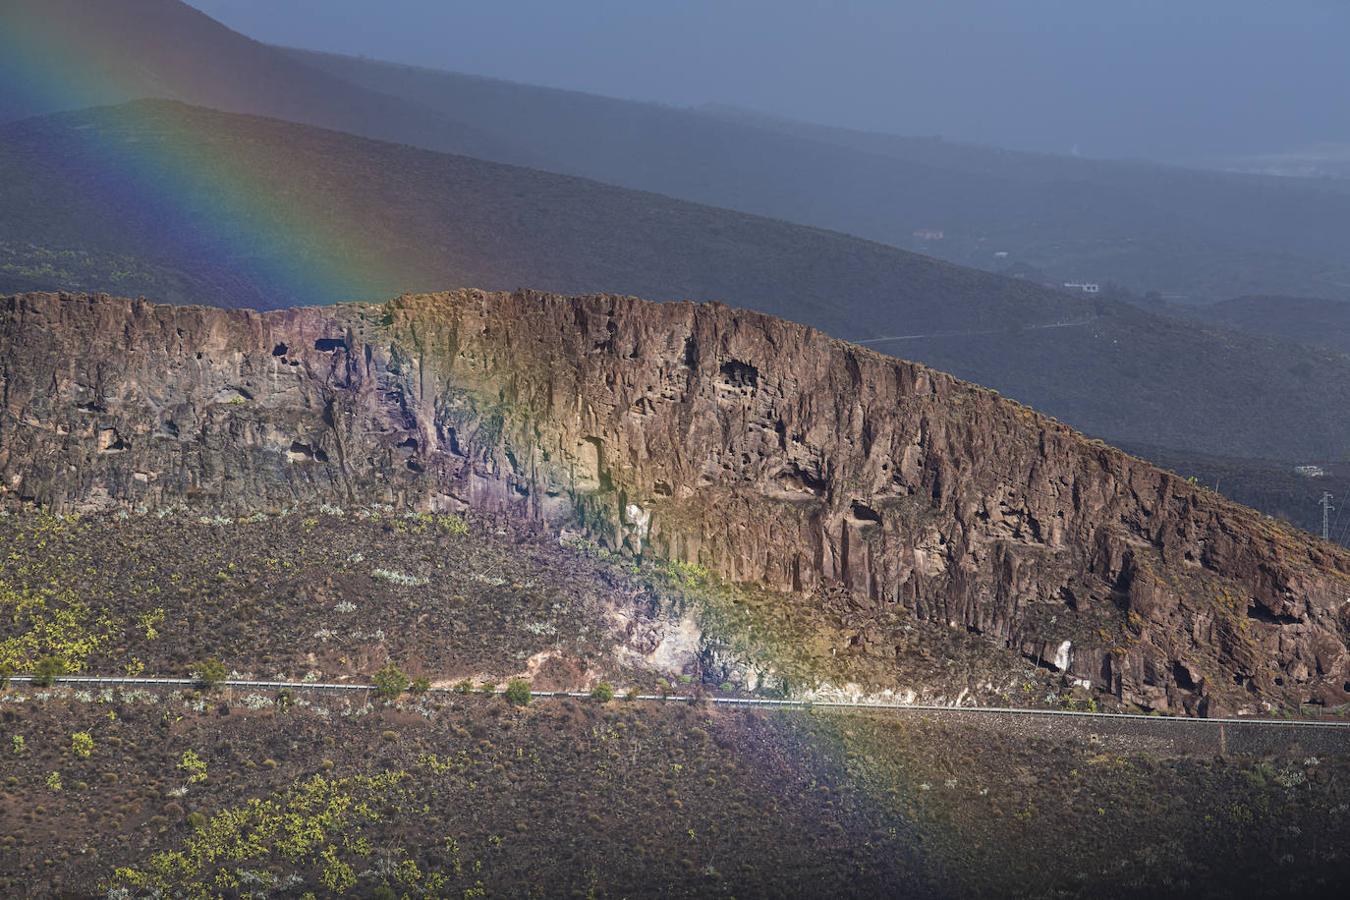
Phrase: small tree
{"type": "Point", "coordinates": [210, 674]}
{"type": "Point", "coordinates": [47, 669]}
{"type": "Point", "coordinates": [518, 692]}
{"type": "Point", "coordinates": [603, 692]}
{"type": "Point", "coordinates": [390, 681]}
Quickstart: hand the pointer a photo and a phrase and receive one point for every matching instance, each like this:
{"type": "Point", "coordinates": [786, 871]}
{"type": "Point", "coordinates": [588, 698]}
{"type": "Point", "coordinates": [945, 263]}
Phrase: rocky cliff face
{"type": "Point", "coordinates": [759, 449]}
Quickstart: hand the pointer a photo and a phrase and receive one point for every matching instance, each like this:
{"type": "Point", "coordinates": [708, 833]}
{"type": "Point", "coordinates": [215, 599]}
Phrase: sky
{"type": "Point", "coordinates": [1177, 80]}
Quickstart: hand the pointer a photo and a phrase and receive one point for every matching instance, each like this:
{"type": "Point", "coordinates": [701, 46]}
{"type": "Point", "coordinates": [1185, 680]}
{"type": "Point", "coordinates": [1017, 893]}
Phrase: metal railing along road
{"type": "Point", "coordinates": [863, 705]}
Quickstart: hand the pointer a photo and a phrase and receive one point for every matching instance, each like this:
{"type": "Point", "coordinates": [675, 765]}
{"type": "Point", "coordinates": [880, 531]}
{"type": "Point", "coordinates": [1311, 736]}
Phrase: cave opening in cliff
{"type": "Point", "coordinates": [738, 374]}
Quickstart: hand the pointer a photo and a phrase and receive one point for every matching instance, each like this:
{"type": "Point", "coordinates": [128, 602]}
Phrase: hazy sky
{"type": "Point", "coordinates": [1168, 79]}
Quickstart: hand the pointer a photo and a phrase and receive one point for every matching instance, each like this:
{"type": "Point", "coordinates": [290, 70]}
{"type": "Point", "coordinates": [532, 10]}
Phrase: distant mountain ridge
{"type": "Point", "coordinates": [1148, 227]}
{"type": "Point", "coordinates": [1186, 234]}
{"type": "Point", "coordinates": [72, 54]}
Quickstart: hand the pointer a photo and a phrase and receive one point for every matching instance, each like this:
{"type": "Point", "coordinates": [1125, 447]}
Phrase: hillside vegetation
{"type": "Point", "coordinates": [334, 594]}
{"type": "Point", "coordinates": [217, 792]}
{"type": "Point", "coordinates": [220, 794]}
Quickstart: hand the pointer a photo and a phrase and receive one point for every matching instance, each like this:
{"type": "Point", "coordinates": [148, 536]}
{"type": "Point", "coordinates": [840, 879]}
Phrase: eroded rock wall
{"type": "Point", "coordinates": [757, 448]}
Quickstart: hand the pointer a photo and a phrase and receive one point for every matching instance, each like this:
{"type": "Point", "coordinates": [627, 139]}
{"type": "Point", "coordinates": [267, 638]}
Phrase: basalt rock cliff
{"type": "Point", "coordinates": [757, 448]}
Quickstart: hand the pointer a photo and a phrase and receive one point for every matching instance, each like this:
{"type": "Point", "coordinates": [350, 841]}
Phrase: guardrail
{"type": "Point", "coordinates": [860, 705]}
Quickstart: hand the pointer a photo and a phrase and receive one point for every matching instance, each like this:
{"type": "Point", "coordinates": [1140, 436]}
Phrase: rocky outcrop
{"type": "Point", "coordinates": [755, 447]}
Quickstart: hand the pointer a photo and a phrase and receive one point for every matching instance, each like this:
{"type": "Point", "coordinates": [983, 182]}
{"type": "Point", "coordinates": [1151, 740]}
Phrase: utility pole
{"type": "Point", "coordinates": [1326, 509]}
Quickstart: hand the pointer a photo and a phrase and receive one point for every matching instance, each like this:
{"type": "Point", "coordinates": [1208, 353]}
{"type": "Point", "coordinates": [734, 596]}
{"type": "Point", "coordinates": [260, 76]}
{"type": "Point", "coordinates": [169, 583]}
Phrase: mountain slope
{"type": "Point", "coordinates": [71, 54]}
{"type": "Point", "coordinates": [1144, 226]}
{"type": "Point", "coordinates": [1307, 320]}
{"type": "Point", "coordinates": [1275, 488]}
{"type": "Point", "coordinates": [856, 489]}
{"type": "Point", "coordinates": [469, 795]}
{"type": "Point", "coordinates": [350, 218]}
{"type": "Point", "coordinates": [1150, 228]}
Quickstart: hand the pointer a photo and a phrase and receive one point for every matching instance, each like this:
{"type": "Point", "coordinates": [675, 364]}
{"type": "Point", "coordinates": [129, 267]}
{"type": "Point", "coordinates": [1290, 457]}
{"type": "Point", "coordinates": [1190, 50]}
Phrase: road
{"type": "Point", "coordinates": [1125, 732]}
{"type": "Point", "coordinates": [944, 334]}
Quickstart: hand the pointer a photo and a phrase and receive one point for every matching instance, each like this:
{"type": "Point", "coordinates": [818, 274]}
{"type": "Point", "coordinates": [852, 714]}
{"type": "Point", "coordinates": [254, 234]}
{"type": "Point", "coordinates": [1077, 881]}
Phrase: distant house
{"type": "Point", "coordinates": [1087, 287]}
{"type": "Point", "coordinates": [1310, 471]}
{"type": "Point", "coordinates": [929, 234]}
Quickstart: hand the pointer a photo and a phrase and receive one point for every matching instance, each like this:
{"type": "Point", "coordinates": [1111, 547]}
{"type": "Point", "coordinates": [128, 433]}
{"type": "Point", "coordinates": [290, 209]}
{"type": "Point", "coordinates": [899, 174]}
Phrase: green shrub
{"type": "Point", "coordinates": [487, 687]}
{"type": "Point", "coordinates": [82, 744]}
{"type": "Point", "coordinates": [420, 685]}
{"type": "Point", "coordinates": [390, 682]}
{"type": "Point", "coordinates": [196, 820]}
{"type": "Point", "coordinates": [194, 765]}
{"type": "Point", "coordinates": [47, 669]}
{"type": "Point", "coordinates": [518, 692]}
{"type": "Point", "coordinates": [337, 876]}
{"type": "Point", "coordinates": [209, 674]}
{"type": "Point", "coordinates": [463, 686]}
{"type": "Point", "coordinates": [18, 743]}
{"type": "Point", "coordinates": [452, 524]}
{"type": "Point", "coordinates": [54, 781]}
{"type": "Point", "coordinates": [604, 692]}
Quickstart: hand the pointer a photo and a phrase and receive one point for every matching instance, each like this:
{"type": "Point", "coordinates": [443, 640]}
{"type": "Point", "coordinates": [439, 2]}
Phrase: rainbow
{"type": "Point", "coordinates": [239, 211]}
